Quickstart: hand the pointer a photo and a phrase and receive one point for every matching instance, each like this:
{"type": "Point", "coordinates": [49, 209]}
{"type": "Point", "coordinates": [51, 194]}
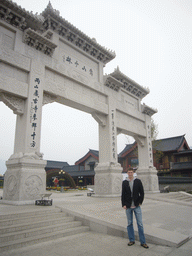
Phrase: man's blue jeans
{"type": "Point", "coordinates": [130, 230]}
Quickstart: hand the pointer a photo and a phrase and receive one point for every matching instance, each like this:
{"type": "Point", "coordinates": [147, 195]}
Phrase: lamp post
{"type": "Point", "coordinates": [62, 173]}
{"type": "Point", "coordinates": [80, 180]}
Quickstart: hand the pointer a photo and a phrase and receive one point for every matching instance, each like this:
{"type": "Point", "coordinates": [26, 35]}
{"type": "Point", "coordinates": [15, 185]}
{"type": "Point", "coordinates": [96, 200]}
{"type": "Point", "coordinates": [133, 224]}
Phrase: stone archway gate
{"type": "Point", "coordinates": [45, 59]}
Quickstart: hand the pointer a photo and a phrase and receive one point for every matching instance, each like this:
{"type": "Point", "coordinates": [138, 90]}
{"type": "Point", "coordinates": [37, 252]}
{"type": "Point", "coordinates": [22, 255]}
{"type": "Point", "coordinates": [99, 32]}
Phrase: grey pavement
{"type": "Point", "coordinates": [165, 221]}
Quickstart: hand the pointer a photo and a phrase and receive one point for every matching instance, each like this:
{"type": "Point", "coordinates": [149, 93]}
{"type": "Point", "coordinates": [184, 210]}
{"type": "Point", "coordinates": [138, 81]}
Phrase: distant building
{"type": "Point", "coordinates": [80, 175]}
{"type": "Point", "coordinates": [129, 156]}
{"type": "Point", "coordinates": [171, 157]}
{"type": "Point", "coordinates": [89, 160]}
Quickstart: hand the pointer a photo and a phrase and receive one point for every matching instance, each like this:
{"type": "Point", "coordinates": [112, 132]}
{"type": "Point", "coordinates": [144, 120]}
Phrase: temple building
{"type": "Point", "coordinates": [171, 156]}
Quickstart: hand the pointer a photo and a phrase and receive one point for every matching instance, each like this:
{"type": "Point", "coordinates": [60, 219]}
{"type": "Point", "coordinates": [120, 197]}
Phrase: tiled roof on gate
{"type": "Point", "coordinates": [170, 144]}
{"type": "Point", "coordinates": [54, 21]}
{"type": "Point", "coordinates": [13, 13]}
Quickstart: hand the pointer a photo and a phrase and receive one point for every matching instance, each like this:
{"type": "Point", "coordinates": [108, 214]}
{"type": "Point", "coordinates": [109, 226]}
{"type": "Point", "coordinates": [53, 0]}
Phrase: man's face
{"type": "Point", "coordinates": [130, 174]}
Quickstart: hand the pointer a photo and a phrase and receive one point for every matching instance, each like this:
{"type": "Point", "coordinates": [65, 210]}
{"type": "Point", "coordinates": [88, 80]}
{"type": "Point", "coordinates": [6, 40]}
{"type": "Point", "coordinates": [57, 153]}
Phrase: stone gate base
{"type": "Point", "coordinates": [149, 179]}
{"type": "Point", "coordinates": [108, 180]}
{"type": "Point", "coordinates": [24, 181]}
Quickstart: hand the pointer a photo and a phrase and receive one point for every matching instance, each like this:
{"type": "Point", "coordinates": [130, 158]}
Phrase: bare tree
{"type": "Point", "coordinates": [154, 130]}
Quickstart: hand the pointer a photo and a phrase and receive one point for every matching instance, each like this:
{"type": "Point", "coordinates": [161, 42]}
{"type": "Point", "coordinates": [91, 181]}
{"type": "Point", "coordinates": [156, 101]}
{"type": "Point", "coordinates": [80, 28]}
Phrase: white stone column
{"type": "Point", "coordinates": [108, 177]}
{"type": "Point", "coordinates": [146, 171]}
{"type": "Point", "coordinates": [25, 178]}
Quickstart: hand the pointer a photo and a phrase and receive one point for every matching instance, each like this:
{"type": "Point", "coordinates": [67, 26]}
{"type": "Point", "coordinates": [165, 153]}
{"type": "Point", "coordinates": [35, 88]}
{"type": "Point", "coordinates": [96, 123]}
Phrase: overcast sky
{"type": "Point", "coordinates": [153, 45]}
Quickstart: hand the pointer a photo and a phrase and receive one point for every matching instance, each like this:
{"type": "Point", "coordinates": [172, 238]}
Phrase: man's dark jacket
{"type": "Point", "coordinates": [138, 193]}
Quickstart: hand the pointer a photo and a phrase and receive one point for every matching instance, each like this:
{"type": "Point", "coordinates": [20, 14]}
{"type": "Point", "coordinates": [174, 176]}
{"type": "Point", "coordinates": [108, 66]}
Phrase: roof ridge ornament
{"type": "Point", "coordinates": [49, 6]}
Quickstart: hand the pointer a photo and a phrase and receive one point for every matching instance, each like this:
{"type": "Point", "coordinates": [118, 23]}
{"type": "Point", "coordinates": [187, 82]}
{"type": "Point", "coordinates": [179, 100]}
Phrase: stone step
{"type": "Point", "coordinates": [188, 199]}
{"type": "Point", "coordinates": [23, 229]}
{"type": "Point", "coordinates": [28, 214]}
{"type": "Point", "coordinates": [36, 224]}
{"type": "Point", "coordinates": [38, 231]}
{"type": "Point", "coordinates": [180, 196]}
{"type": "Point", "coordinates": [19, 219]}
{"type": "Point", "coordinates": [42, 238]}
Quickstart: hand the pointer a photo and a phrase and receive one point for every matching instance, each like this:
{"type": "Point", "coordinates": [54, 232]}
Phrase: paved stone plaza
{"type": "Point", "coordinates": [165, 221]}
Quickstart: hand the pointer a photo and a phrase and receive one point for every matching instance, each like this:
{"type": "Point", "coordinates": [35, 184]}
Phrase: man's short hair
{"type": "Point", "coordinates": [130, 169]}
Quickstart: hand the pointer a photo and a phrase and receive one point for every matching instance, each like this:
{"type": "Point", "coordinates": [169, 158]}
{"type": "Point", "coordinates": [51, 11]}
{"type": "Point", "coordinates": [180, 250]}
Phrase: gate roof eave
{"type": "Point", "coordinates": [96, 50]}
{"type": "Point", "coordinates": [29, 19]}
{"type": "Point", "coordinates": [128, 84]}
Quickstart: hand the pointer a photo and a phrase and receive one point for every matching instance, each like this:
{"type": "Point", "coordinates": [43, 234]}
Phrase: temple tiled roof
{"type": "Point", "coordinates": [170, 144]}
{"type": "Point", "coordinates": [91, 152]}
{"type": "Point", "coordinates": [128, 148]}
{"type": "Point", "coordinates": [56, 164]}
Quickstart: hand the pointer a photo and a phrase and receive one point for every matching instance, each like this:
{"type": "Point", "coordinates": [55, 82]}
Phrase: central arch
{"type": "Point", "coordinates": [70, 132]}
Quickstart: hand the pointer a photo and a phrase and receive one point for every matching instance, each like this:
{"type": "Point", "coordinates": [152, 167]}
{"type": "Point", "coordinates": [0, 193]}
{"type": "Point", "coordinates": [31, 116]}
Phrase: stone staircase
{"type": "Point", "coordinates": [180, 196]}
{"type": "Point", "coordinates": [28, 228]}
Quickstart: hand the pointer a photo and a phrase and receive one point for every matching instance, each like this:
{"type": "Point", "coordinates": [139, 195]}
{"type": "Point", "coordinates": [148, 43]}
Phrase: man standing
{"type": "Point", "coordinates": [131, 198]}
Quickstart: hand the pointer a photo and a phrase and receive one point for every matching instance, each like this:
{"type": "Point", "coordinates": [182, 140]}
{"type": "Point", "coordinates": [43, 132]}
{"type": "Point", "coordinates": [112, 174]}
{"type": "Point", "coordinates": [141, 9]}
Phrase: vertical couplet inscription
{"type": "Point", "coordinates": [34, 111]}
{"type": "Point", "coordinates": [150, 147]}
{"type": "Point", "coordinates": [113, 134]}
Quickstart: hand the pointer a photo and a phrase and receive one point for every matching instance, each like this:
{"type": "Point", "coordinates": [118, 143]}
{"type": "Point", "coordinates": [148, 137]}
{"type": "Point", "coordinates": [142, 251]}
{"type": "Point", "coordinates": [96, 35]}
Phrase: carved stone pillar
{"type": "Point", "coordinates": [108, 177]}
{"type": "Point", "coordinates": [25, 178]}
{"type": "Point", "coordinates": [146, 171]}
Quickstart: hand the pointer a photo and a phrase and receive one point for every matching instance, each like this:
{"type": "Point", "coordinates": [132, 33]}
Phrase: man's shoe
{"type": "Point", "coordinates": [131, 243]}
{"type": "Point", "coordinates": [145, 246]}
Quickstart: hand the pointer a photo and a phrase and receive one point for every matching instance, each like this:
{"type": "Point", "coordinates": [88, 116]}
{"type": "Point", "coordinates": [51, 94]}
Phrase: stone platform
{"type": "Point", "coordinates": [167, 225]}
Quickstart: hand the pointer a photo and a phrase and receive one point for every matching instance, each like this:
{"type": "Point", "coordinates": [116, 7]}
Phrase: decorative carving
{"type": "Point", "coordinates": [117, 184]}
{"type": "Point", "coordinates": [19, 17]}
{"type": "Point", "coordinates": [33, 186]}
{"type": "Point", "coordinates": [39, 42]}
{"type": "Point", "coordinates": [103, 185]}
{"type": "Point", "coordinates": [118, 80]}
{"type": "Point", "coordinates": [50, 19]}
{"type": "Point", "coordinates": [33, 155]}
{"type": "Point", "coordinates": [11, 185]}
{"type": "Point", "coordinates": [14, 103]}
{"type": "Point", "coordinates": [112, 83]}
{"type": "Point", "coordinates": [148, 110]}
{"type": "Point", "coordinates": [12, 18]}
{"type": "Point", "coordinates": [70, 33]}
